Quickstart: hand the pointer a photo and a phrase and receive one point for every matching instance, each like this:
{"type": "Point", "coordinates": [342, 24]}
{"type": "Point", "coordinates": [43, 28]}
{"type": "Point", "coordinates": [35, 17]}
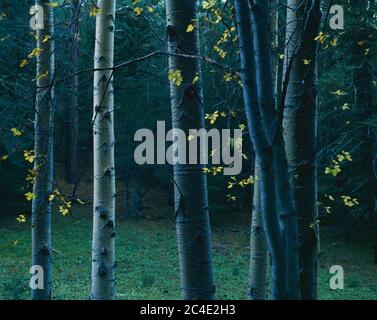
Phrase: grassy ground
{"type": "Point", "coordinates": [148, 264]}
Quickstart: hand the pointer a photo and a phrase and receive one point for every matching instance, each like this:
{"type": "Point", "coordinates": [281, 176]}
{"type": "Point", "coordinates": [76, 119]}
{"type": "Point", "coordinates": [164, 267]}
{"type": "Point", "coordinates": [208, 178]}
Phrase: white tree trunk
{"type": "Point", "coordinates": [43, 165]}
{"type": "Point", "coordinates": [103, 250]}
{"type": "Point", "coordinates": [258, 247]}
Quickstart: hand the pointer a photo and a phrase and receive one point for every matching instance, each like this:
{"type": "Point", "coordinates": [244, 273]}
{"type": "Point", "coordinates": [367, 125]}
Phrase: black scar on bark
{"type": "Point", "coordinates": [109, 225]}
{"type": "Point", "coordinates": [102, 269]}
{"type": "Point", "coordinates": [103, 252]}
{"type": "Point", "coordinates": [102, 212]}
{"type": "Point", "coordinates": [45, 250]}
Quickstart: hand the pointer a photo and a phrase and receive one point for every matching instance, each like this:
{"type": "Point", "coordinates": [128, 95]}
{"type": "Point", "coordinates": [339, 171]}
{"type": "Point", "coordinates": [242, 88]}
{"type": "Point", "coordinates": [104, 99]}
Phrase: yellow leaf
{"type": "Point", "coordinates": [138, 11]}
{"type": "Point", "coordinates": [190, 28]}
{"type": "Point", "coordinates": [63, 210]}
{"type": "Point", "coordinates": [4, 157]}
{"type": "Point", "coordinates": [31, 175]}
{"type": "Point", "coordinates": [196, 78]}
{"type": "Point", "coordinates": [346, 106]}
{"type": "Point", "coordinates": [29, 155]}
{"type": "Point", "coordinates": [306, 61]}
{"type": "Point", "coordinates": [321, 37]}
{"type": "Point", "coordinates": [36, 52]}
{"type": "Point", "coordinates": [95, 11]}
{"type": "Point", "coordinates": [23, 63]}
{"type": "Point", "coordinates": [334, 42]}
{"type": "Point", "coordinates": [42, 75]}
{"type": "Point", "coordinates": [208, 4]}
{"type": "Point", "coordinates": [16, 132]}
{"type": "Point", "coordinates": [53, 4]}
{"type": "Point", "coordinates": [21, 218]}
{"type": "Point", "coordinates": [175, 77]}
{"type": "Point", "coordinates": [338, 93]}
{"type": "Point", "coordinates": [29, 196]}
{"type": "Point", "coordinates": [228, 77]}
{"type": "Point", "coordinates": [46, 38]}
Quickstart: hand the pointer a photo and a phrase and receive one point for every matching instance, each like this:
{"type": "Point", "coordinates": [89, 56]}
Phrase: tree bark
{"type": "Point", "coordinates": [300, 132]}
{"type": "Point", "coordinates": [278, 42]}
{"type": "Point", "coordinates": [191, 200]}
{"type": "Point", "coordinates": [286, 210]}
{"type": "Point", "coordinates": [258, 247]}
{"type": "Point", "coordinates": [366, 151]}
{"type": "Point", "coordinates": [72, 139]}
{"type": "Point", "coordinates": [43, 148]}
{"type": "Point", "coordinates": [103, 250]}
{"type": "Point", "coordinates": [264, 152]}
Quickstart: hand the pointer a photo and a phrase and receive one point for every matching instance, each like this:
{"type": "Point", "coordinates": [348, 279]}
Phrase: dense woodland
{"type": "Point", "coordinates": [78, 78]}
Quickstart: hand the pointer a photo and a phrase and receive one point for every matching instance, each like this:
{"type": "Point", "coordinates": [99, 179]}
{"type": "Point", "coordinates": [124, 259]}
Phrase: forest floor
{"type": "Point", "coordinates": [147, 254]}
{"type": "Point", "coordinates": [148, 263]}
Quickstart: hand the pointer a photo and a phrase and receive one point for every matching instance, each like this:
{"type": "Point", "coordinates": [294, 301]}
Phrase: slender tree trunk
{"type": "Point", "coordinates": [366, 152]}
{"type": "Point", "coordinates": [264, 153]}
{"type": "Point", "coordinates": [103, 251]}
{"type": "Point", "coordinates": [280, 42]}
{"type": "Point", "coordinates": [191, 200]}
{"type": "Point", "coordinates": [287, 212]}
{"type": "Point", "coordinates": [72, 139]}
{"type": "Point", "coordinates": [274, 27]}
{"type": "Point", "coordinates": [43, 164]}
{"type": "Point", "coordinates": [300, 131]}
{"type": "Point", "coordinates": [258, 247]}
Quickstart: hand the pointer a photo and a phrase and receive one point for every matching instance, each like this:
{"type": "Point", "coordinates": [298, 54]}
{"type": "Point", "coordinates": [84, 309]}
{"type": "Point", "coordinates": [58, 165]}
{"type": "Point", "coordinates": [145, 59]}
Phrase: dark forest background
{"type": "Point", "coordinates": [346, 133]}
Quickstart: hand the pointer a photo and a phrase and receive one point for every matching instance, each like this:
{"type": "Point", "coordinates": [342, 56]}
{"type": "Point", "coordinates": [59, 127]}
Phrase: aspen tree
{"type": "Point", "coordinates": [258, 247]}
{"type": "Point", "coordinates": [103, 246]}
{"type": "Point", "coordinates": [278, 213]}
{"type": "Point", "coordinates": [191, 200]}
{"type": "Point", "coordinates": [300, 132]}
{"type": "Point", "coordinates": [72, 139]}
{"type": "Point", "coordinates": [263, 151]}
{"type": "Point", "coordinates": [43, 148]}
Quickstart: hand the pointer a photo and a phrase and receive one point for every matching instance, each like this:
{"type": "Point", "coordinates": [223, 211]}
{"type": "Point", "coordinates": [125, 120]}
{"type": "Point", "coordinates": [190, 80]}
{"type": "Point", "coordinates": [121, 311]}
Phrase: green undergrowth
{"type": "Point", "coordinates": [148, 263]}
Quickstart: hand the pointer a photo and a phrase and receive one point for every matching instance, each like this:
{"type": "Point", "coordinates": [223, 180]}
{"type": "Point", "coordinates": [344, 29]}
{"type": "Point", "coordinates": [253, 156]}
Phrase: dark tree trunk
{"type": "Point", "coordinates": [43, 164]}
{"type": "Point", "coordinates": [286, 210]}
{"type": "Point", "coordinates": [191, 200]}
{"type": "Point", "coordinates": [300, 132]}
{"type": "Point", "coordinates": [263, 151]}
{"type": "Point", "coordinates": [366, 152]}
{"type": "Point", "coordinates": [72, 132]}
